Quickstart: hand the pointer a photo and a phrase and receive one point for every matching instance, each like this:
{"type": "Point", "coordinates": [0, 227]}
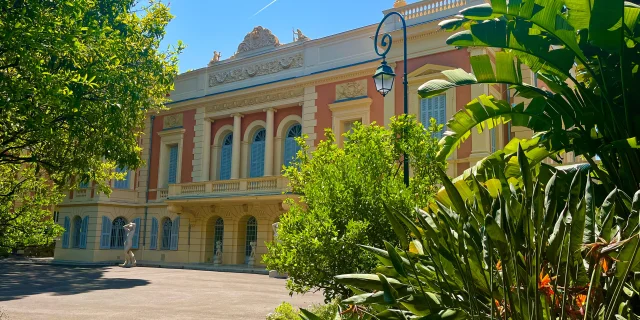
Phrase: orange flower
{"type": "Point", "coordinates": [544, 285]}
{"type": "Point", "coordinates": [499, 265]}
{"type": "Point", "coordinates": [580, 300]}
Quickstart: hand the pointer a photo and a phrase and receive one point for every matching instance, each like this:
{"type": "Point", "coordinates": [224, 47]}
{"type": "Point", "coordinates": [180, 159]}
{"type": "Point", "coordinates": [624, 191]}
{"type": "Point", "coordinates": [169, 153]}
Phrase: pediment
{"type": "Point", "coordinates": [427, 72]}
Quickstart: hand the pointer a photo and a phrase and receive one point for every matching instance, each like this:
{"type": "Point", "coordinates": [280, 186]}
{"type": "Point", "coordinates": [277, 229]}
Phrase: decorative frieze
{"type": "Point", "coordinates": [349, 90]}
{"type": "Point", "coordinates": [261, 69]}
{"type": "Point", "coordinates": [256, 99]}
{"type": "Point", "coordinates": [172, 121]}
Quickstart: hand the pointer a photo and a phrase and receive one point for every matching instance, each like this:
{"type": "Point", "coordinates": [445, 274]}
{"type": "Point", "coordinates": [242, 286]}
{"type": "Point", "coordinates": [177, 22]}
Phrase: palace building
{"type": "Point", "coordinates": [215, 155]}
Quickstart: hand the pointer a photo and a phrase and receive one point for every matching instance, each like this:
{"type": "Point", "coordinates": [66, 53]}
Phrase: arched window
{"type": "Point", "coordinates": [218, 234]}
{"type": "Point", "coordinates": [291, 147]}
{"type": "Point", "coordinates": [252, 235]}
{"type": "Point", "coordinates": [257, 154]}
{"type": "Point", "coordinates": [77, 229]}
{"type": "Point", "coordinates": [166, 234]}
{"type": "Point", "coordinates": [117, 233]}
{"type": "Point", "coordinates": [225, 157]}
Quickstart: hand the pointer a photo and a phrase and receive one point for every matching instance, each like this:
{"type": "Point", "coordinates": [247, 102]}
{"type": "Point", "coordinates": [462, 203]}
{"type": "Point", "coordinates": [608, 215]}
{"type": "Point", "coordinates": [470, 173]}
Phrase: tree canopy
{"type": "Point", "coordinates": [343, 195]}
{"type": "Point", "coordinates": [76, 81]}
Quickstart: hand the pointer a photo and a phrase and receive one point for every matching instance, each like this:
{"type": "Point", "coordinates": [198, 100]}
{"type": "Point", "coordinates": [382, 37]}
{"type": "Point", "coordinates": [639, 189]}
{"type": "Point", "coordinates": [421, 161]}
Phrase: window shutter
{"type": "Point", "coordinates": [442, 111]}
{"type": "Point", "coordinates": [122, 184]}
{"type": "Point", "coordinates": [173, 164]}
{"type": "Point", "coordinates": [435, 107]}
{"type": "Point", "coordinates": [105, 236]}
{"type": "Point", "coordinates": [154, 234]}
{"type": "Point", "coordinates": [175, 233]}
{"type": "Point", "coordinates": [136, 235]}
{"type": "Point", "coordinates": [225, 162]}
{"type": "Point", "coordinates": [257, 159]}
{"type": "Point", "coordinates": [83, 232]}
{"type": "Point", "coordinates": [65, 235]}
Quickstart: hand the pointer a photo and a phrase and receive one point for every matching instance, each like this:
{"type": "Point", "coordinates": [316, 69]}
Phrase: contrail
{"type": "Point", "coordinates": [267, 6]}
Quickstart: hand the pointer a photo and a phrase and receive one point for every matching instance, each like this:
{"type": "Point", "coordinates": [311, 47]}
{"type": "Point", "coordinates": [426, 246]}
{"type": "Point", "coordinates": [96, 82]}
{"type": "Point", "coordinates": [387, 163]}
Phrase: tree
{"type": "Point", "coordinates": [77, 79]}
{"type": "Point", "coordinates": [343, 195]}
{"type": "Point", "coordinates": [588, 56]}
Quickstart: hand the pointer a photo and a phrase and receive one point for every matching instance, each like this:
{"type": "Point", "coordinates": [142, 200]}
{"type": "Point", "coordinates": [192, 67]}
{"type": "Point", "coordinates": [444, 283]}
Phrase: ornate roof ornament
{"type": "Point", "coordinates": [258, 38]}
{"type": "Point", "coordinates": [399, 3]}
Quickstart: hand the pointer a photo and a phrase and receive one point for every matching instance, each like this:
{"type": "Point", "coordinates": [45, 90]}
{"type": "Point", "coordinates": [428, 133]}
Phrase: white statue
{"type": "Point", "coordinates": [129, 258]}
{"type": "Point", "coordinates": [252, 256]}
{"type": "Point", "coordinates": [275, 227]}
{"type": "Point", "coordinates": [217, 258]}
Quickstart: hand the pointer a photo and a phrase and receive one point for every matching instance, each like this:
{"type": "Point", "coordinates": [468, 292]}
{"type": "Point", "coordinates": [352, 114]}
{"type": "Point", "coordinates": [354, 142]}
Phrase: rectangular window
{"type": "Point", "coordinates": [173, 164]}
{"type": "Point", "coordinates": [434, 107]}
{"type": "Point", "coordinates": [122, 184]}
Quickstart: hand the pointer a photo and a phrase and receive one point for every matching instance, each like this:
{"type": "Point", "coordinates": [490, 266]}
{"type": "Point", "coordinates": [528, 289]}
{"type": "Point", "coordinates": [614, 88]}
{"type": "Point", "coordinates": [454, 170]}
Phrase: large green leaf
{"type": "Point", "coordinates": [484, 113]}
{"type": "Point", "coordinates": [367, 281]}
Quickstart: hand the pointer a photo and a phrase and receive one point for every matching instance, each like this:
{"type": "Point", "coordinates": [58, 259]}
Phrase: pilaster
{"type": "Point", "coordinates": [309, 121]}
{"type": "Point", "coordinates": [235, 153]}
{"type": "Point", "coordinates": [268, 145]}
{"type": "Point", "coordinates": [201, 147]}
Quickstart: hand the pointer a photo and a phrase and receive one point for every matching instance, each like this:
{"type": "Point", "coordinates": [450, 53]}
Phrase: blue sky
{"type": "Point", "coordinates": [208, 25]}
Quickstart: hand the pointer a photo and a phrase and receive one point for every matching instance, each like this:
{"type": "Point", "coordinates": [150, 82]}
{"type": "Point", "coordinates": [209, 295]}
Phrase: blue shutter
{"type": "Point", "coordinates": [291, 146]}
{"type": "Point", "coordinates": [65, 235]}
{"type": "Point", "coordinates": [154, 234]}
{"type": "Point", "coordinates": [84, 185]}
{"type": "Point", "coordinates": [435, 107]}
{"type": "Point", "coordinates": [257, 159]}
{"type": "Point", "coordinates": [105, 236]}
{"type": "Point", "coordinates": [83, 232]}
{"type": "Point", "coordinates": [424, 117]}
{"type": "Point", "coordinates": [122, 184]}
{"type": "Point", "coordinates": [136, 234]}
{"type": "Point", "coordinates": [175, 234]}
{"type": "Point", "coordinates": [173, 164]}
{"type": "Point", "coordinates": [225, 162]}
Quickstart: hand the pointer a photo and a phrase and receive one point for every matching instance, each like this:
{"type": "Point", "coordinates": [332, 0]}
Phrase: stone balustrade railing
{"type": "Point", "coordinates": [163, 193]}
{"type": "Point", "coordinates": [227, 186]}
{"type": "Point", "coordinates": [427, 10]}
{"type": "Point", "coordinates": [81, 193]}
{"type": "Point", "coordinates": [424, 8]}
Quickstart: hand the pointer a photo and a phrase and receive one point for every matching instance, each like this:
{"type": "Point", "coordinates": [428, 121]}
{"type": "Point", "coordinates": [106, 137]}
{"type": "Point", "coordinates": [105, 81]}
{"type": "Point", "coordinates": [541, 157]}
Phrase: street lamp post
{"type": "Point", "coordinates": [385, 76]}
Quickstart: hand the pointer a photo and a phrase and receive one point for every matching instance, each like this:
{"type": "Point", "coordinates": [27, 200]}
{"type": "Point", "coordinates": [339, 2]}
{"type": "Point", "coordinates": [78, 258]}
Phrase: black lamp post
{"type": "Point", "coordinates": [385, 76]}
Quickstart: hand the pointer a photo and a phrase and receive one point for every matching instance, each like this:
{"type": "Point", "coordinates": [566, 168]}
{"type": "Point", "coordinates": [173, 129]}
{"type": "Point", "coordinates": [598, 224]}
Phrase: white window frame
{"type": "Point", "coordinates": [169, 138]}
{"type": "Point", "coordinates": [346, 111]}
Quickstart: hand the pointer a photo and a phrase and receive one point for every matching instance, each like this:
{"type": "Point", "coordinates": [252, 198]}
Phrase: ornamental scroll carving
{"type": "Point", "coordinates": [242, 73]}
{"type": "Point", "coordinates": [256, 99]}
{"type": "Point", "coordinates": [172, 121]}
{"type": "Point", "coordinates": [258, 38]}
{"type": "Point", "coordinates": [352, 89]}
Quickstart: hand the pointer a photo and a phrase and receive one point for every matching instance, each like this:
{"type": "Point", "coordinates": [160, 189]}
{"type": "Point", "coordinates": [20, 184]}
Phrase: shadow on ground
{"type": "Point", "coordinates": [18, 281]}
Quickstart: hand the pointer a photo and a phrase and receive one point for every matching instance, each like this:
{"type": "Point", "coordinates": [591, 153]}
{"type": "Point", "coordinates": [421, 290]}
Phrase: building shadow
{"type": "Point", "coordinates": [18, 281]}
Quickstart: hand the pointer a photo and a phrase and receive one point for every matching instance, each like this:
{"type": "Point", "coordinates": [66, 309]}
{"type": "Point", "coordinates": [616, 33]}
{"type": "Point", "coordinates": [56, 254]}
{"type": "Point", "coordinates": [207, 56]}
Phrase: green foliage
{"type": "Point", "coordinates": [77, 79]}
{"type": "Point", "coordinates": [343, 193]}
{"type": "Point", "coordinates": [284, 311]}
{"type": "Point", "coordinates": [528, 254]}
{"type": "Point", "coordinates": [327, 311]}
{"type": "Point", "coordinates": [25, 215]}
{"type": "Point", "coordinates": [587, 53]}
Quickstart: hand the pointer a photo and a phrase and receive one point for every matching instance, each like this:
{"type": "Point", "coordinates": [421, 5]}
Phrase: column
{"type": "Point", "coordinates": [235, 153]}
{"type": "Point", "coordinates": [268, 145]}
{"type": "Point", "coordinates": [206, 150]}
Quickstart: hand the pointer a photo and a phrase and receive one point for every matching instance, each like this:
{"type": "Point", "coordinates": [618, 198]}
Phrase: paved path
{"type": "Point", "coordinates": [30, 291]}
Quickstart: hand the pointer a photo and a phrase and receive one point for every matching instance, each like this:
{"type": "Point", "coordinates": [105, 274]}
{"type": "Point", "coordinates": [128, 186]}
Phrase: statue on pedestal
{"type": "Point", "coordinates": [252, 256]}
{"type": "Point", "coordinates": [299, 36]}
{"type": "Point", "coordinates": [275, 227]}
{"type": "Point", "coordinates": [129, 258]}
{"type": "Point", "coordinates": [216, 57]}
{"type": "Point", "coordinates": [217, 258]}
